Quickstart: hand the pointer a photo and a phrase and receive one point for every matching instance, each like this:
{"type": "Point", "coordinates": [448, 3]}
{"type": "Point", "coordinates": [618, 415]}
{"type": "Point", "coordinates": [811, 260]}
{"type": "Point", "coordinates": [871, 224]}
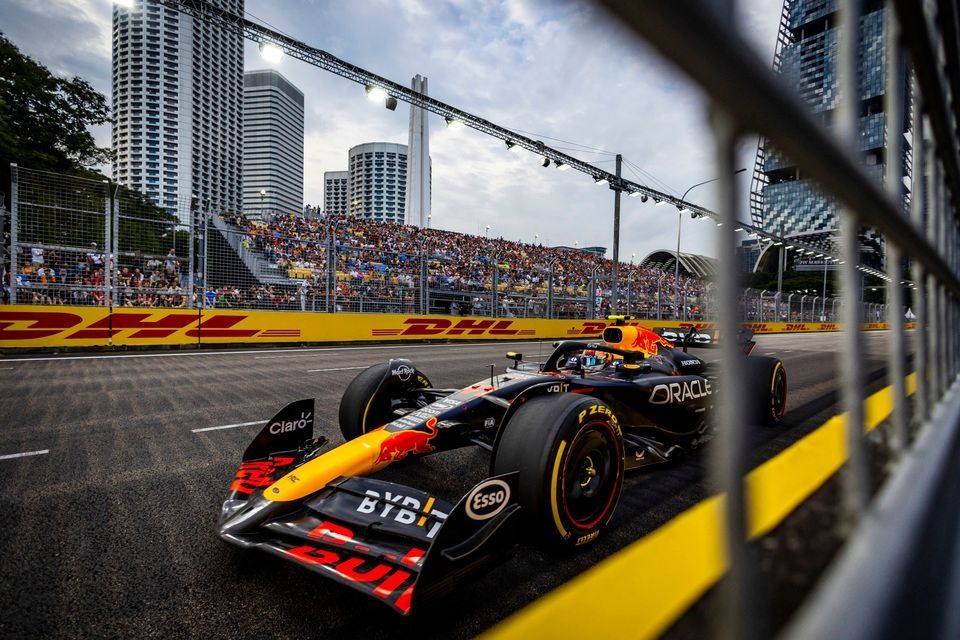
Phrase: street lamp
{"type": "Point", "coordinates": [536, 237]}
{"type": "Point", "coordinates": [486, 232]}
{"type": "Point", "coordinates": [263, 194]}
{"type": "Point", "coordinates": [683, 198]}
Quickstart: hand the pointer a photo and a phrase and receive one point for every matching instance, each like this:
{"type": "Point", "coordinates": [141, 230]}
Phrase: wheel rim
{"type": "Point", "coordinates": [779, 396]}
{"type": "Point", "coordinates": [591, 475]}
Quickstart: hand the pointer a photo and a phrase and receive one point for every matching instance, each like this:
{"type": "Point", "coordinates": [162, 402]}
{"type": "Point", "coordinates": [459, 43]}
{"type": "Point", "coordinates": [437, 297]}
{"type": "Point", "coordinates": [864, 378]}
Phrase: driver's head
{"type": "Point", "coordinates": [596, 358]}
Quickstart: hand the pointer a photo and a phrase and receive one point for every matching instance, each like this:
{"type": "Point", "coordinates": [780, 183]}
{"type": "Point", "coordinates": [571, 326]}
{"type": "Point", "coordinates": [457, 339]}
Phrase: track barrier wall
{"type": "Point", "coordinates": [42, 326]}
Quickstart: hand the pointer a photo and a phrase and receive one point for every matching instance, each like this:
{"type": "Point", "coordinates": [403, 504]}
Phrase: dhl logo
{"type": "Point", "coordinates": [33, 325]}
{"type": "Point", "coordinates": [445, 327]}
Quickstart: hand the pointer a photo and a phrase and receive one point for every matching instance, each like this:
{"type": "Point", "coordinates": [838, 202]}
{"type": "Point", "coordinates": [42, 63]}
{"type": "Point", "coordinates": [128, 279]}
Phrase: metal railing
{"type": "Point", "coordinates": [871, 590]}
{"type": "Point", "coordinates": [77, 241]}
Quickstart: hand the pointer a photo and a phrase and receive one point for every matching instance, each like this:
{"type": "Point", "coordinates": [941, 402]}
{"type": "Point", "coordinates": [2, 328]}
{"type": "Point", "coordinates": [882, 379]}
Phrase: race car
{"type": "Point", "coordinates": [560, 433]}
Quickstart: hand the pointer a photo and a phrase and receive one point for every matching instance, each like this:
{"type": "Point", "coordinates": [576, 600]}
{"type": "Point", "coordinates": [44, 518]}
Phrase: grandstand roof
{"type": "Point", "coordinates": [691, 265]}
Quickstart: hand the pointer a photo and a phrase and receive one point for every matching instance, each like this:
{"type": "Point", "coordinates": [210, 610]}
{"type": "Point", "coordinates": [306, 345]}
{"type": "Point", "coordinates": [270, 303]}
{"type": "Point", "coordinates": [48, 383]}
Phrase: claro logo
{"type": "Point", "coordinates": [292, 425]}
{"type": "Point", "coordinates": [679, 392]}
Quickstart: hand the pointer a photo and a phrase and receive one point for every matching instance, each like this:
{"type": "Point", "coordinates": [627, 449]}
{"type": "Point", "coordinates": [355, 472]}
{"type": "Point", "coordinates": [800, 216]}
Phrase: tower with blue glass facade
{"type": "Point", "coordinates": [782, 199]}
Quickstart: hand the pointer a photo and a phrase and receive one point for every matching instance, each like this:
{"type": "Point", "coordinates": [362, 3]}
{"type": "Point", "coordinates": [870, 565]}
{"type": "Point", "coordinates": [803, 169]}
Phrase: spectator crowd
{"type": "Point", "coordinates": [379, 267]}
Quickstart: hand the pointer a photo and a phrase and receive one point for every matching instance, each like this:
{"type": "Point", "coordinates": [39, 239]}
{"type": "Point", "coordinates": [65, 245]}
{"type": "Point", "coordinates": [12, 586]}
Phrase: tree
{"type": "Point", "coordinates": [44, 119]}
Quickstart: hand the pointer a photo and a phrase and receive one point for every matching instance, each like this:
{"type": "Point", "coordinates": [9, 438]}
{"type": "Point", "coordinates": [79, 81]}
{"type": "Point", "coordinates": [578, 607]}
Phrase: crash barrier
{"type": "Point", "coordinates": [32, 326]}
{"type": "Point", "coordinates": [897, 58]}
{"type": "Point", "coordinates": [685, 557]}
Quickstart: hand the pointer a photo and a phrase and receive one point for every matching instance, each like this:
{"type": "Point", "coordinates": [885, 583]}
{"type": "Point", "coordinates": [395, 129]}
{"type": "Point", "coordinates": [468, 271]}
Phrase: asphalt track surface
{"type": "Point", "coordinates": [111, 533]}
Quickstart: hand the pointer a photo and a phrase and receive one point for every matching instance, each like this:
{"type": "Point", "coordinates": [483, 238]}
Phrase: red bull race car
{"type": "Point", "coordinates": [560, 434]}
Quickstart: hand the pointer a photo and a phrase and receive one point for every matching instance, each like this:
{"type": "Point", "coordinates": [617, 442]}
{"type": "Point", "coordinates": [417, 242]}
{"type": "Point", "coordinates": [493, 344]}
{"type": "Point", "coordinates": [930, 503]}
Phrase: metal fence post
{"type": "Point", "coordinates": [856, 474]}
{"type": "Point", "coordinates": [930, 311]}
{"type": "Point", "coordinates": [107, 245]}
{"type": "Point", "coordinates": [191, 256]}
{"type": "Point", "coordinates": [730, 449]}
{"type": "Point", "coordinates": [550, 291]}
{"type": "Point", "coordinates": [424, 283]}
{"type": "Point", "coordinates": [14, 197]}
{"type": "Point", "coordinates": [205, 216]}
{"type": "Point", "coordinates": [115, 246]}
{"type": "Point", "coordinates": [496, 288]}
{"type": "Point", "coordinates": [331, 271]}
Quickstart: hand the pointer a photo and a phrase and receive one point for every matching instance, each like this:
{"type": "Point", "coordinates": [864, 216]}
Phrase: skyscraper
{"type": "Point", "coordinates": [272, 144]}
{"type": "Point", "coordinates": [335, 192]}
{"type": "Point", "coordinates": [177, 96]}
{"type": "Point", "coordinates": [782, 199]}
{"type": "Point", "coordinates": [417, 211]}
{"type": "Point", "coordinates": [378, 175]}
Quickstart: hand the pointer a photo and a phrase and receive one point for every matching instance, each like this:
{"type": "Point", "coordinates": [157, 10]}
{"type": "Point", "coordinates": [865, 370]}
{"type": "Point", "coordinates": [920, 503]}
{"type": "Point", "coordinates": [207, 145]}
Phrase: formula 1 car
{"type": "Point", "coordinates": [560, 435]}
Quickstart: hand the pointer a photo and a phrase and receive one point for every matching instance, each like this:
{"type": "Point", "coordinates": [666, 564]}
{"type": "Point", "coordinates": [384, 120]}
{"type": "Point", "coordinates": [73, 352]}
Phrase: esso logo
{"type": "Point", "coordinates": [403, 372]}
{"type": "Point", "coordinates": [487, 499]}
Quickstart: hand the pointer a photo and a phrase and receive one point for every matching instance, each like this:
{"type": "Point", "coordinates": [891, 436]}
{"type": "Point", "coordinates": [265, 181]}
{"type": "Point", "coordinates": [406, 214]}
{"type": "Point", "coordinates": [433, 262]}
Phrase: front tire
{"type": "Point", "coordinates": [766, 393]}
{"type": "Point", "coordinates": [371, 398]}
{"type": "Point", "coordinates": [568, 450]}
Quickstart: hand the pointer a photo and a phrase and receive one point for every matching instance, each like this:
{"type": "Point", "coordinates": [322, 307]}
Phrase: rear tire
{"type": "Point", "coordinates": [766, 390]}
{"type": "Point", "coordinates": [568, 450]}
{"type": "Point", "coordinates": [367, 404]}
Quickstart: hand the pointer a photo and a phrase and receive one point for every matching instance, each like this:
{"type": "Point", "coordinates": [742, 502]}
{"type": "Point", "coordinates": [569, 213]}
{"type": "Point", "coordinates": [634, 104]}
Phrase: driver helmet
{"type": "Point", "coordinates": [596, 358]}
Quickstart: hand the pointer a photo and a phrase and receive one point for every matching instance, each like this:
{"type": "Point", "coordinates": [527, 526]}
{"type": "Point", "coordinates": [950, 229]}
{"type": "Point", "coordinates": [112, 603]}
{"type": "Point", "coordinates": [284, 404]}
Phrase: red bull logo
{"type": "Point", "coordinates": [646, 341]}
{"type": "Point", "coordinates": [400, 444]}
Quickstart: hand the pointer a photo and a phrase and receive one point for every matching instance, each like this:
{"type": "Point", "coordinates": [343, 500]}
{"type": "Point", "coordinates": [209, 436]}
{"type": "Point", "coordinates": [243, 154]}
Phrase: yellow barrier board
{"type": "Point", "coordinates": [50, 326]}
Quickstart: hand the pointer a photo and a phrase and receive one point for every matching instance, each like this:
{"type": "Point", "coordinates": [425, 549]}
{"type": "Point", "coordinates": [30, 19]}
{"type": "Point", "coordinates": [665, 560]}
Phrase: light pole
{"type": "Point", "coordinates": [263, 194]}
{"type": "Point", "coordinates": [676, 266]}
{"type": "Point", "coordinates": [823, 309]}
{"type": "Point", "coordinates": [486, 232]}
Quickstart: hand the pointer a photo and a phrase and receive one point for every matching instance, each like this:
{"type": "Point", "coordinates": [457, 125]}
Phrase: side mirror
{"type": "Point", "coordinates": [516, 357]}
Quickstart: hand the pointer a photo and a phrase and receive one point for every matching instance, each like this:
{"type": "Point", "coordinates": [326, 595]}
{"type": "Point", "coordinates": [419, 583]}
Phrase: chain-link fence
{"type": "Point", "coordinates": [77, 241]}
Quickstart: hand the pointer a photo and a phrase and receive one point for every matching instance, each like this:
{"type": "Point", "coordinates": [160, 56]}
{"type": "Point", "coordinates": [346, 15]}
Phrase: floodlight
{"type": "Point", "coordinates": [271, 52]}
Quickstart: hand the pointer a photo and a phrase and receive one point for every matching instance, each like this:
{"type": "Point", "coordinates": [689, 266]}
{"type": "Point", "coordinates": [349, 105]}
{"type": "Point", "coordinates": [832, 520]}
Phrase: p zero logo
{"type": "Point", "coordinates": [487, 499]}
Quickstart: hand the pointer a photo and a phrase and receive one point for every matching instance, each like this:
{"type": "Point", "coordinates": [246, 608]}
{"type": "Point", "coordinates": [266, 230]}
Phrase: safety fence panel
{"type": "Point", "coordinates": [59, 239]}
{"type": "Point", "coordinates": [85, 242]}
{"type": "Point", "coordinates": [152, 257]}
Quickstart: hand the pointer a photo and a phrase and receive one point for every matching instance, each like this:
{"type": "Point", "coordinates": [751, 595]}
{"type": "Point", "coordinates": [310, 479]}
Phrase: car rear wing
{"type": "Point", "coordinates": [703, 338]}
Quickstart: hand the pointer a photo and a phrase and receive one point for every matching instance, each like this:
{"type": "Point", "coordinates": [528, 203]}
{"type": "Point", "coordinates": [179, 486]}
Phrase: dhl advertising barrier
{"type": "Point", "coordinates": [27, 326]}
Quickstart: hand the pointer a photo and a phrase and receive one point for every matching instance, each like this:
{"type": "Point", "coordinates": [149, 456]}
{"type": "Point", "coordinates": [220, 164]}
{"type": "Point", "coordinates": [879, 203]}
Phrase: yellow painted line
{"type": "Point", "coordinates": [641, 590]}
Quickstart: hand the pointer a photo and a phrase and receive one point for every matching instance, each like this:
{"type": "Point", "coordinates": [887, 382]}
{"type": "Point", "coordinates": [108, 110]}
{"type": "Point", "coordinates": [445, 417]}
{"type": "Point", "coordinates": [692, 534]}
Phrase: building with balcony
{"type": "Point", "coordinates": [177, 103]}
{"type": "Point", "coordinates": [377, 179]}
{"type": "Point", "coordinates": [335, 198]}
{"type": "Point", "coordinates": [272, 144]}
{"type": "Point", "coordinates": [784, 201]}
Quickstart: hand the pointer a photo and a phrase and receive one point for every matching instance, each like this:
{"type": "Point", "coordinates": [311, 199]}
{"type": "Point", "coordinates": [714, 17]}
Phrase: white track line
{"type": "Point", "coordinates": [304, 352]}
{"type": "Point", "coordinates": [10, 456]}
{"type": "Point", "coordinates": [228, 426]}
{"type": "Point", "coordinates": [288, 352]}
{"type": "Point", "coordinates": [337, 369]}
{"type": "Point", "coordinates": [6, 368]}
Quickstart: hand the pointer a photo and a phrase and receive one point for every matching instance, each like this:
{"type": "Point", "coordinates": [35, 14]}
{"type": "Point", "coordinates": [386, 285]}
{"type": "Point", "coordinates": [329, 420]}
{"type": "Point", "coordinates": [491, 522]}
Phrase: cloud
{"type": "Point", "coordinates": [561, 69]}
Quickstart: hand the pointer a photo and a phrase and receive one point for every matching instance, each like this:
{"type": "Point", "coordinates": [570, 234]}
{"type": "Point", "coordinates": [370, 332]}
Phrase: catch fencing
{"type": "Point", "coordinates": [897, 574]}
{"type": "Point", "coordinates": [76, 241]}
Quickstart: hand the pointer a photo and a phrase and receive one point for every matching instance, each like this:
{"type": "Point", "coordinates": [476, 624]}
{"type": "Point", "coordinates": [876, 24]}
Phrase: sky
{"type": "Point", "coordinates": [556, 70]}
